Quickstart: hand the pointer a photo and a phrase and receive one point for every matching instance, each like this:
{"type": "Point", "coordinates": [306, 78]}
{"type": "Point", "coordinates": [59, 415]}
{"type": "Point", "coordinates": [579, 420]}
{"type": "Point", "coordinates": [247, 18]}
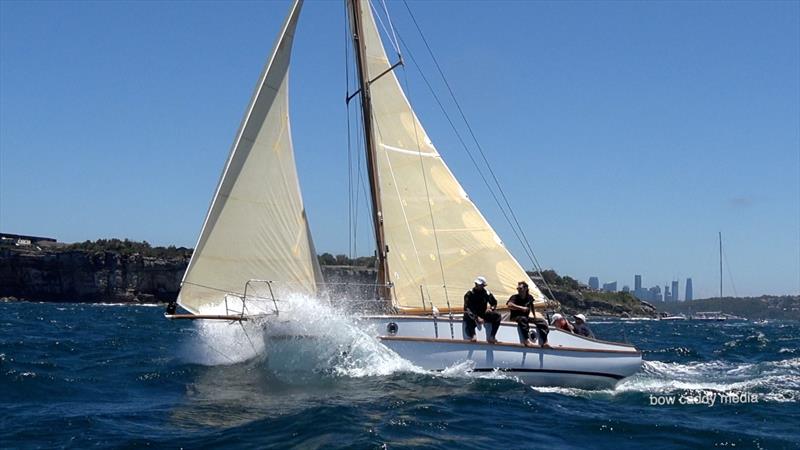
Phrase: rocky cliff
{"type": "Point", "coordinates": [83, 276]}
{"type": "Point", "coordinates": [618, 304]}
{"type": "Point", "coordinates": [69, 274]}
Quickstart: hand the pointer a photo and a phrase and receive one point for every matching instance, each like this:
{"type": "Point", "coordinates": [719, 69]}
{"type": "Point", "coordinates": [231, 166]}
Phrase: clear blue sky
{"type": "Point", "coordinates": [627, 133]}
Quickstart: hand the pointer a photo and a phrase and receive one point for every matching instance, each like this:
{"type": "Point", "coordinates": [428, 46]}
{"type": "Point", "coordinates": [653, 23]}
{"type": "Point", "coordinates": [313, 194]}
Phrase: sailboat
{"type": "Point", "coordinates": [255, 248]}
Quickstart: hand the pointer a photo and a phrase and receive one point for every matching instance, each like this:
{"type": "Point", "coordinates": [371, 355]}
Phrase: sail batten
{"type": "Point", "coordinates": [256, 226]}
{"type": "Point", "coordinates": [438, 240]}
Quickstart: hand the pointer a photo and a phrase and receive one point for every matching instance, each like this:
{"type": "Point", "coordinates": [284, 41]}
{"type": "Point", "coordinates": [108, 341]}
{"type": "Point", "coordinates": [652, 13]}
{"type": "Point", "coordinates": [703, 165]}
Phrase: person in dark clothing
{"type": "Point", "coordinates": [477, 313]}
{"type": "Point", "coordinates": [581, 327]}
{"type": "Point", "coordinates": [560, 323]}
{"type": "Point", "coordinates": [521, 306]}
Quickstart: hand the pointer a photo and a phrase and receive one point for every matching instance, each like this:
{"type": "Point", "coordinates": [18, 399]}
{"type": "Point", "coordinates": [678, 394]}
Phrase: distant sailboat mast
{"type": "Point", "coordinates": [720, 265]}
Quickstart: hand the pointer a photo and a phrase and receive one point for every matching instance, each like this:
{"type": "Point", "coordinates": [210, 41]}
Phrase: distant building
{"type": "Point", "coordinates": [675, 290]}
{"type": "Point", "coordinates": [626, 288]}
{"type": "Point", "coordinates": [610, 287]}
{"type": "Point", "coordinates": [667, 294]}
{"type": "Point", "coordinates": [654, 294]}
{"type": "Point", "coordinates": [689, 294]}
{"type": "Point", "coordinates": [594, 283]}
{"type": "Point", "coordinates": [24, 240]}
{"type": "Point", "coordinates": [638, 291]}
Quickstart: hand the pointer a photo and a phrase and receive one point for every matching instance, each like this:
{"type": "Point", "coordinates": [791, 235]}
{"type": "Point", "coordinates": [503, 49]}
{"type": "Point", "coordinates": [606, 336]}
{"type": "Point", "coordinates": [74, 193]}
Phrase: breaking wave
{"type": "Point", "coordinates": [306, 340]}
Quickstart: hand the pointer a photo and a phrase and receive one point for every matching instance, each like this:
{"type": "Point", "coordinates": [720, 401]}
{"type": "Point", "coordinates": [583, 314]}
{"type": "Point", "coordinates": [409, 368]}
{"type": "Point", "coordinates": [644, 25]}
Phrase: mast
{"type": "Point", "coordinates": [369, 140]}
{"type": "Point", "coordinates": [720, 265]}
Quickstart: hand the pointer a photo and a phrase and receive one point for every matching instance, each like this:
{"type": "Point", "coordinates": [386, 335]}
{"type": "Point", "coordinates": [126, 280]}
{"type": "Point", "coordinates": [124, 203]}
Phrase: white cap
{"type": "Point", "coordinates": [556, 317]}
{"type": "Point", "coordinates": [580, 317]}
{"type": "Point", "coordinates": [481, 281]}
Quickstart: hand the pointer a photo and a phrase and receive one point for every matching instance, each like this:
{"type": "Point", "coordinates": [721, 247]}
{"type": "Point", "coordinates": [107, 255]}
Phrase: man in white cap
{"type": "Point", "coordinates": [581, 327]}
{"type": "Point", "coordinates": [479, 308]}
{"type": "Point", "coordinates": [561, 323]}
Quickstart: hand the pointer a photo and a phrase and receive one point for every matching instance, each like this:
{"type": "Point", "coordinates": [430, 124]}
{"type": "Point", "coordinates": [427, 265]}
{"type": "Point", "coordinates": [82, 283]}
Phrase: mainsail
{"type": "Point", "coordinates": [437, 239]}
{"type": "Point", "coordinates": [256, 227]}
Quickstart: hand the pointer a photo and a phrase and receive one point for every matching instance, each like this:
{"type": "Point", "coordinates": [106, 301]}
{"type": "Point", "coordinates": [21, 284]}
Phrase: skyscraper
{"type": "Point", "coordinates": [689, 294]}
{"type": "Point", "coordinates": [667, 294]}
{"type": "Point", "coordinates": [637, 283]}
{"type": "Point", "coordinates": [594, 283]}
{"type": "Point", "coordinates": [675, 291]}
{"type": "Point", "coordinates": [654, 294]}
{"type": "Point", "coordinates": [610, 287]}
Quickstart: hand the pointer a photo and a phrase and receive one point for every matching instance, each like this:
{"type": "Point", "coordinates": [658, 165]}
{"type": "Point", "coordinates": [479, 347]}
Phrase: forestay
{"type": "Point", "coordinates": [256, 227]}
{"type": "Point", "coordinates": [435, 233]}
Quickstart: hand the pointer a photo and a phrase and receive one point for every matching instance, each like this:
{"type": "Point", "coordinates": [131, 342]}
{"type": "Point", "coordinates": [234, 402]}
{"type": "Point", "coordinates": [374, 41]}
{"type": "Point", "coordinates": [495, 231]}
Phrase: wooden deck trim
{"type": "Point", "coordinates": [235, 318]}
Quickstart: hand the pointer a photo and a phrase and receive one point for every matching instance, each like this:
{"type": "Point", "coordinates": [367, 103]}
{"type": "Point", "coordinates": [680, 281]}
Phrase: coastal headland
{"type": "Point", "coordinates": [123, 271]}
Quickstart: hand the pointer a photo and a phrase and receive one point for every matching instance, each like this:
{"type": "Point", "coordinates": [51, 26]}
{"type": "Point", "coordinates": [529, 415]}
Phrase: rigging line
{"type": "Point", "coordinates": [213, 288]}
{"type": "Point", "coordinates": [396, 48]}
{"type": "Point", "coordinates": [730, 275]}
{"type": "Point", "coordinates": [391, 27]}
{"type": "Point", "coordinates": [220, 353]}
{"type": "Point", "coordinates": [349, 188]}
{"type": "Point", "coordinates": [427, 195]}
{"type": "Point", "coordinates": [248, 338]}
{"type": "Point", "coordinates": [466, 149]}
{"type": "Point", "coordinates": [349, 145]}
{"type": "Point", "coordinates": [403, 210]}
{"type": "Point", "coordinates": [477, 144]}
{"type": "Point", "coordinates": [362, 157]}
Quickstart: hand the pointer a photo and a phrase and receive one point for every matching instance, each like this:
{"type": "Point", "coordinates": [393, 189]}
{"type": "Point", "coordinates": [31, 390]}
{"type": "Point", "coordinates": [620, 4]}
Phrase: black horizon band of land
{"type": "Point", "coordinates": [125, 271]}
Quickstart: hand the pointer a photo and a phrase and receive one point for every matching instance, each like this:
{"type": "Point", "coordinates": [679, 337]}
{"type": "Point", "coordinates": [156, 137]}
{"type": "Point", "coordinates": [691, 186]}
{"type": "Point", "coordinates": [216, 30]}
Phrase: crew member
{"type": "Point", "coordinates": [521, 307]}
{"type": "Point", "coordinates": [581, 327]}
{"type": "Point", "coordinates": [479, 308]}
{"type": "Point", "coordinates": [561, 323]}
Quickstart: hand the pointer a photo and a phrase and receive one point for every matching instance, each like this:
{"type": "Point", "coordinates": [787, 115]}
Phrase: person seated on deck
{"type": "Point", "coordinates": [562, 324]}
{"type": "Point", "coordinates": [521, 306]}
{"type": "Point", "coordinates": [581, 327]}
{"type": "Point", "coordinates": [476, 312]}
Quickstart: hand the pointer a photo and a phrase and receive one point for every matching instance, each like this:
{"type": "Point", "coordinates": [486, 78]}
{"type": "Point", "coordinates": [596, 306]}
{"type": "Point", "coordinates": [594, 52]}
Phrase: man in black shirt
{"type": "Point", "coordinates": [476, 311]}
{"type": "Point", "coordinates": [521, 306]}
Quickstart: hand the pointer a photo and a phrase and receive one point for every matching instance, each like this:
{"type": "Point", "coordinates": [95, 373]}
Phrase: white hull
{"type": "Point", "coordinates": [572, 360]}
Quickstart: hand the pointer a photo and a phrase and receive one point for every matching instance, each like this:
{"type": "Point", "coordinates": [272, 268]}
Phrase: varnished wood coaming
{"type": "Point", "coordinates": [235, 318]}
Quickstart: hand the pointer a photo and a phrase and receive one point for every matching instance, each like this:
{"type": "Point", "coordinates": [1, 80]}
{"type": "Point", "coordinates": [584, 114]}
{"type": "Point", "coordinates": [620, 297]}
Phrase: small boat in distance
{"type": "Point", "coordinates": [255, 251]}
{"type": "Point", "coordinates": [709, 316]}
{"type": "Point", "coordinates": [673, 317]}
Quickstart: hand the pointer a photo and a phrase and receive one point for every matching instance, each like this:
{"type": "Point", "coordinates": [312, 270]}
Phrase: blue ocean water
{"type": "Point", "coordinates": [87, 376]}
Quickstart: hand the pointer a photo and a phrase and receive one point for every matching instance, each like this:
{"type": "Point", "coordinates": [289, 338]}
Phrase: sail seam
{"type": "Point", "coordinates": [410, 152]}
{"type": "Point", "coordinates": [523, 239]}
{"type": "Point", "coordinates": [428, 195]}
{"type": "Point", "coordinates": [403, 209]}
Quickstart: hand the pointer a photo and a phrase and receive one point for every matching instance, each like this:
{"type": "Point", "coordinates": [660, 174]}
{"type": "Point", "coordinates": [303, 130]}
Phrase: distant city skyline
{"type": "Point", "coordinates": [671, 292]}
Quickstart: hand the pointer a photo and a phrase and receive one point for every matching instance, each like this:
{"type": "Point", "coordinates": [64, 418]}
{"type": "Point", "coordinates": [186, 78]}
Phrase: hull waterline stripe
{"type": "Point", "coordinates": [505, 323]}
{"type": "Point", "coordinates": [564, 372]}
{"type": "Point", "coordinates": [500, 345]}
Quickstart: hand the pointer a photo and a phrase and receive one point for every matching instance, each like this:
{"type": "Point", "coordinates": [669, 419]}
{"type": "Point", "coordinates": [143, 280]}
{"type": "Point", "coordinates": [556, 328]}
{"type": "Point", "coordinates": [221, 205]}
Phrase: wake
{"type": "Point", "coordinates": [773, 381]}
